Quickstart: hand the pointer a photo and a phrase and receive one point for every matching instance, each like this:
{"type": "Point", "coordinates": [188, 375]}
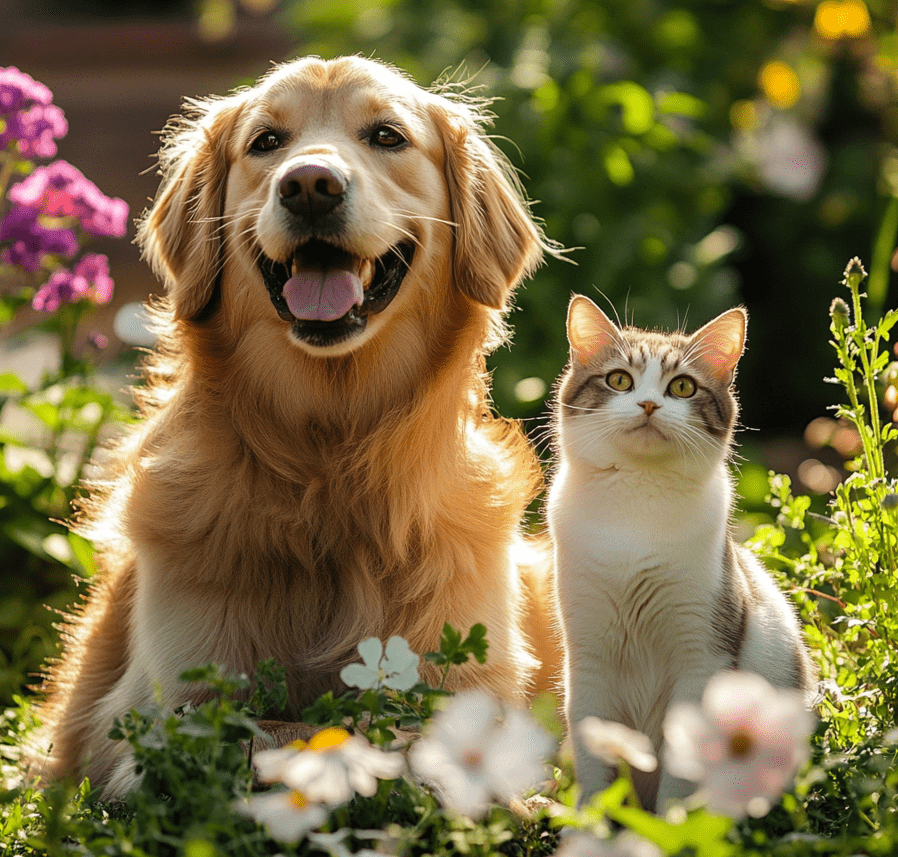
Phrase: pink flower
{"type": "Point", "coordinates": [89, 280]}
{"type": "Point", "coordinates": [36, 130]}
{"type": "Point", "coordinates": [18, 89]}
{"type": "Point", "coordinates": [743, 745]}
{"type": "Point", "coordinates": [94, 268]}
{"type": "Point", "coordinates": [61, 190]}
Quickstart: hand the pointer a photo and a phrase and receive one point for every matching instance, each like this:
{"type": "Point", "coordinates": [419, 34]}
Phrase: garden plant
{"type": "Point", "coordinates": [400, 767]}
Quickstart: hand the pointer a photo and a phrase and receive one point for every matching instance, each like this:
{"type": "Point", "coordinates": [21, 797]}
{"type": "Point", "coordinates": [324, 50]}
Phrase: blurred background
{"type": "Point", "coordinates": [698, 154]}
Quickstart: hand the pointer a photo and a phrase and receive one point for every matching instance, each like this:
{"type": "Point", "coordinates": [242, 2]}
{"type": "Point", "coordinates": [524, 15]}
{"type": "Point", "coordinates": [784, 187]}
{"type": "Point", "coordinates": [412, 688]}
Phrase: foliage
{"type": "Point", "coordinates": [194, 770]}
{"type": "Point", "coordinates": [50, 425]}
{"type": "Point", "coordinates": [847, 558]}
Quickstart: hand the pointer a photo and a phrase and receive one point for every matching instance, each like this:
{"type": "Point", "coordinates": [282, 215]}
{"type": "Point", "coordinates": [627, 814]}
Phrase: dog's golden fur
{"type": "Point", "coordinates": [284, 498]}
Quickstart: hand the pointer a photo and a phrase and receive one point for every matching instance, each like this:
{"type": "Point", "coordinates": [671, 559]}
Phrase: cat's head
{"type": "Point", "coordinates": [649, 397]}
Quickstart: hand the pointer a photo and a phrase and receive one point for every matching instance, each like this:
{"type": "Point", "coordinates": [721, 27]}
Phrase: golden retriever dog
{"type": "Point", "coordinates": [316, 461]}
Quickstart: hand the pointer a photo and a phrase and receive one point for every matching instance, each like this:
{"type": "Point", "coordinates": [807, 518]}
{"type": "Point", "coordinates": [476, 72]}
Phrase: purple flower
{"type": "Point", "coordinates": [29, 241]}
{"type": "Point", "coordinates": [29, 118]}
{"type": "Point", "coordinates": [63, 287]}
{"type": "Point", "coordinates": [89, 280]}
{"type": "Point", "coordinates": [36, 130]}
{"type": "Point", "coordinates": [18, 89]}
{"type": "Point", "coordinates": [61, 190]}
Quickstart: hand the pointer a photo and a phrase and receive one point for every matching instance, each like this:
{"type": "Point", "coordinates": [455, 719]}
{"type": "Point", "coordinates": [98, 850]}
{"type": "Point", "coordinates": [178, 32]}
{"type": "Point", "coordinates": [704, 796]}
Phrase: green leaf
{"type": "Point", "coordinates": [83, 551]}
{"type": "Point", "coordinates": [637, 105]}
{"type": "Point", "coordinates": [47, 413]}
{"type": "Point", "coordinates": [683, 104]}
{"type": "Point", "coordinates": [476, 643]}
{"type": "Point", "coordinates": [10, 383]}
{"type": "Point", "coordinates": [701, 831]}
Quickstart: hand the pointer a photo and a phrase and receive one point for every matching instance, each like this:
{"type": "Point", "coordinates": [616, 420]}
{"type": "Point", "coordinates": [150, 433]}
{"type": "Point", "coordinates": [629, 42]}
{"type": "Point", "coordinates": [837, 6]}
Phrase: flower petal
{"type": "Point", "coordinates": [372, 651]}
{"type": "Point", "coordinates": [612, 742]}
{"type": "Point", "coordinates": [356, 675]}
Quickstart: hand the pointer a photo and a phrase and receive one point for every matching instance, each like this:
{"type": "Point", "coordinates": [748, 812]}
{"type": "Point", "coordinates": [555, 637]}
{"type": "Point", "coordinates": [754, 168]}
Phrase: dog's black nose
{"type": "Point", "coordinates": [312, 189]}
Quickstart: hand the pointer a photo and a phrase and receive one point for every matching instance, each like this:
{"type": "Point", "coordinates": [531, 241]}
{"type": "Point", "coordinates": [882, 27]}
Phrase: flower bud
{"type": "Point", "coordinates": [854, 273]}
{"type": "Point", "coordinates": [838, 312]}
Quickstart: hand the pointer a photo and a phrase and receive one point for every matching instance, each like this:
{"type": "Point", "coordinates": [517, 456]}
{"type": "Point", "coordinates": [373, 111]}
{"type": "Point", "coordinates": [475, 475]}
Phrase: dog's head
{"type": "Point", "coordinates": [332, 197]}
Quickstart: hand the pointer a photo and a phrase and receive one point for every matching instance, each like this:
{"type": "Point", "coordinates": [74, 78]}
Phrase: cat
{"type": "Point", "coordinates": [654, 594]}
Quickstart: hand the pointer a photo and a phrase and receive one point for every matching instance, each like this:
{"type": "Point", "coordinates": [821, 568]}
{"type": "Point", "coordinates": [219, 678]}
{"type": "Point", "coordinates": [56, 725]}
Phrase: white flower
{"type": "Point", "coordinates": [270, 764]}
{"type": "Point", "coordinates": [612, 742]}
{"type": "Point", "coordinates": [395, 667]}
{"type": "Point", "coordinates": [473, 758]}
{"type": "Point", "coordinates": [331, 768]}
{"type": "Point", "coordinates": [288, 815]}
{"type": "Point", "coordinates": [743, 745]}
{"type": "Point", "coordinates": [582, 844]}
{"type": "Point", "coordinates": [789, 158]}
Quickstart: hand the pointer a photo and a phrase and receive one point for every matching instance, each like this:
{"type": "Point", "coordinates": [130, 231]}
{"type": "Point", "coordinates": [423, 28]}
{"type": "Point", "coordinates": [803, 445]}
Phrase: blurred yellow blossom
{"type": "Point", "coordinates": [837, 18]}
{"type": "Point", "coordinates": [779, 83]}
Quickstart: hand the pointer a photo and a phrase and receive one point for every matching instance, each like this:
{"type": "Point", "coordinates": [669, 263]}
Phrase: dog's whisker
{"type": "Point", "coordinates": [418, 216]}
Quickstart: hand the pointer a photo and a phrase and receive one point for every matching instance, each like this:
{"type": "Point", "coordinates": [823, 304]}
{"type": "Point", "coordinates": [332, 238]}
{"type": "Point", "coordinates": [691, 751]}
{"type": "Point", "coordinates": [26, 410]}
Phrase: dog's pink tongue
{"type": "Point", "coordinates": [323, 295]}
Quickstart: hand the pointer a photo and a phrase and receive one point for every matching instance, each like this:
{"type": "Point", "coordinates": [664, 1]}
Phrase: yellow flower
{"type": "Point", "coordinates": [835, 19]}
{"type": "Point", "coordinates": [779, 84]}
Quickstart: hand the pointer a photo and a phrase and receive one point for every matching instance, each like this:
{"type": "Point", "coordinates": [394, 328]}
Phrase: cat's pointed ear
{"type": "Point", "coordinates": [719, 344]}
{"type": "Point", "coordinates": [589, 330]}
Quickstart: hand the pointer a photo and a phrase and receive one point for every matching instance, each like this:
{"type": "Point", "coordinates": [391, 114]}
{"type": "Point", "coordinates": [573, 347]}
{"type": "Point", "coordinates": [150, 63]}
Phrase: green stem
{"type": "Point", "coordinates": [872, 445]}
{"type": "Point", "coordinates": [851, 389]}
{"type": "Point", "coordinates": [866, 341]}
{"type": "Point", "coordinates": [90, 445]}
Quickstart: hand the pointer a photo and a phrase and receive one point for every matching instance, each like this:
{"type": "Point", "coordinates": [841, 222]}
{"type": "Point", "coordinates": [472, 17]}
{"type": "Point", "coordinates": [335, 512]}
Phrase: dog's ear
{"type": "Point", "coordinates": [497, 243]}
{"type": "Point", "coordinates": [181, 234]}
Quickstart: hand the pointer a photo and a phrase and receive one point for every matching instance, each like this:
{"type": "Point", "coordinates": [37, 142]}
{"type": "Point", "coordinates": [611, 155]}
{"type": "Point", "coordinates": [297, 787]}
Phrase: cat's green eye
{"type": "Point", "coordinates": [619, 381]}
{"type": "Point", "coordinates": [682, 387]}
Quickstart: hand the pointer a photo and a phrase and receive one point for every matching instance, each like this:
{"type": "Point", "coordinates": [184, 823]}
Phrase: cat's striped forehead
{"type": "Point", "coordinates": [639, 347]}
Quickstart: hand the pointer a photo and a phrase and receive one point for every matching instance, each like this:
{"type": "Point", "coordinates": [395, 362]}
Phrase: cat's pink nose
{"type": "Point", "coordinates": [649, 406]}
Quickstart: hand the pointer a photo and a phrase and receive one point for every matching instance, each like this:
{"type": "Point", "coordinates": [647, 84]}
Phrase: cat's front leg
{"type": "Point", "coordinates": [585, 696]}
{"type": "Point", "coordinates": [689, 688]}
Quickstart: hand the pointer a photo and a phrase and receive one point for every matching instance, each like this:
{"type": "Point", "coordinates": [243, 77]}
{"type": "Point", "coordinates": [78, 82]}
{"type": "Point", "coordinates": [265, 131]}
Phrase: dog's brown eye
{"type": "Point", "coordinates": [267, 141]}
{"type": "Point", "coordinates": [386, 137]}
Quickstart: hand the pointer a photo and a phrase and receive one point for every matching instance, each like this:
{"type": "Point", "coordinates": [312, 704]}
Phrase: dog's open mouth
{"type": "Point", "coordinates": [329, 294]}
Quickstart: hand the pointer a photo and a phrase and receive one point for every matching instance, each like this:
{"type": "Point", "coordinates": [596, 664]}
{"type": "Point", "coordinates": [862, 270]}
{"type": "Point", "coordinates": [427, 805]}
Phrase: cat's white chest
{"type": "Point", "coordinates": [615, 524]}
